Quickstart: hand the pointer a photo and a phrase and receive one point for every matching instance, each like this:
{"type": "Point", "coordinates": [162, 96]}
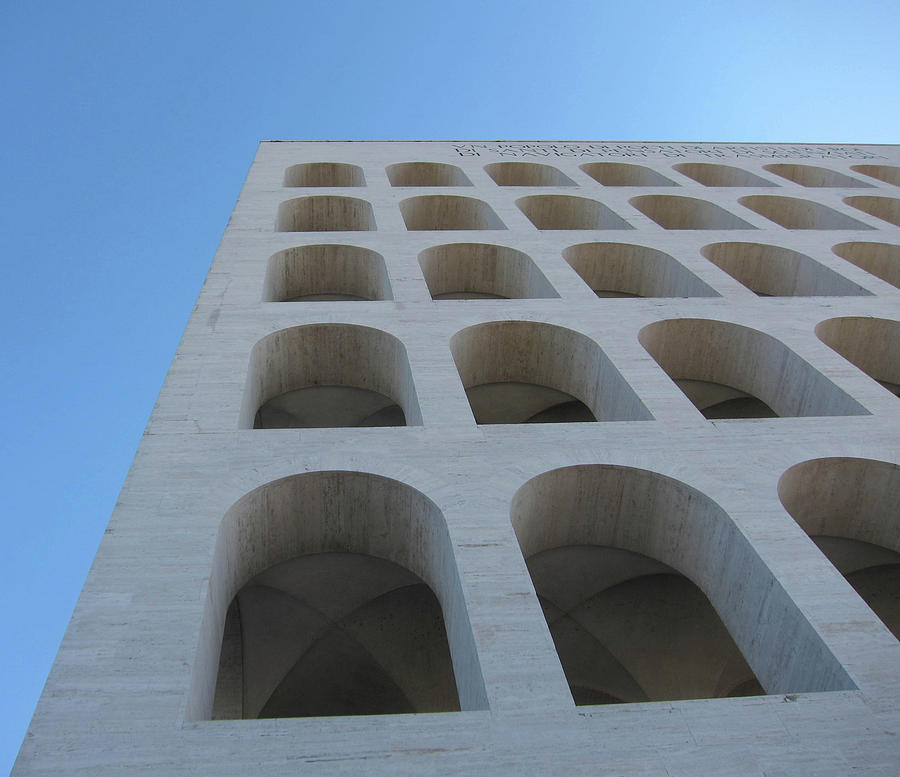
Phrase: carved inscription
{"type": "Point", "coordinates": [665, 150]}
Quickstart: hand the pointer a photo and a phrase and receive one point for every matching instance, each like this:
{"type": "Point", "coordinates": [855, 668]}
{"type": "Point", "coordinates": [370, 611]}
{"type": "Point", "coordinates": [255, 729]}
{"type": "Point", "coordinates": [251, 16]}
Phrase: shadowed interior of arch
{"type": "Point", "coordinates": [848, 507]}
{"type": "Point", "coordinates": [718, 401]}
{"type": "Point", "coordinates": [628, 628]}
{"type": "Point", "coordinates": [872, 344]}
{"type": "Point", "coordinates": [534, 372]}
{"type": "Point", "coordinates": [880, 259]}
{"type": "Point", "coordinates": [513, 402]}
{"type": "Point", "coordinates": [334, 634]}
{"type": "Point", "coordinates": [329, 407]}
{"type": "Point", "coordinates": [872, 570]}
{"type": "Point", "coordinates": [327, 376]}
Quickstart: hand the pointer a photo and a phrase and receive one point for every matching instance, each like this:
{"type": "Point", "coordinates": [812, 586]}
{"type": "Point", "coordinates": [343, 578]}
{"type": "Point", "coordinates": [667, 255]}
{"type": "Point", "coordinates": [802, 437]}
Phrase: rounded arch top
{"type": "Point", "coordinates": [426, 174]}
{"type": "Point", "coordinates": [526, 174]}
{"type": "Point", "coordinates": [844, 496]}
{"type": "Point", "coordinates": [324, 174]}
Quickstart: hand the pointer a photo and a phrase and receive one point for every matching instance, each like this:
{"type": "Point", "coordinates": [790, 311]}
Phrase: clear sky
{"type": "Point", "coordinates": [128, 128]}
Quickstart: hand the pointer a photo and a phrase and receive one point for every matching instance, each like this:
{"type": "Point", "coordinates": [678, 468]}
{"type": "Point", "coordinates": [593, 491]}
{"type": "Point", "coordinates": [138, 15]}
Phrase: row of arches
{"type": "Point", "coordinates": [337, 592]}
{"type": "Point", "coordinates": [343, 375]}
{"type": "Point", "coordinates": [439, 212]}
{"type": "Point", "coordinates": [330, 272]}
{"type": "Point", "coordinates": [340, 174]}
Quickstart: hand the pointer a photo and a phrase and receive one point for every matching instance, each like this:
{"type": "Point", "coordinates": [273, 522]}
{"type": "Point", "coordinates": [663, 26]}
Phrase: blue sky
{"type": "Point", "coordinates": [128, 129]}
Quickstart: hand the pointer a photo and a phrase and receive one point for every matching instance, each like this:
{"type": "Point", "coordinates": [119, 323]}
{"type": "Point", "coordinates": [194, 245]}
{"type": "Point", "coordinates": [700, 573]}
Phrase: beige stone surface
{"type": "Point", "coordinates": [732, 505]}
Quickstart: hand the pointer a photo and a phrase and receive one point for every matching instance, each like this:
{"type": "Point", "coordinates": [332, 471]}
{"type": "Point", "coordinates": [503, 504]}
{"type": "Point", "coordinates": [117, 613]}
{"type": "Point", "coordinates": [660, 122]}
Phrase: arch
{"type": "Point", "coordinates": [651, 592]}
{"type": "Point", "coordinates": [426, 174]}
{"type": "Point", "coordinates": [794, 213]}
{"type": "Point", "coordinates": [298, 536]}
{"type": "Point", "coordinates": [479, 270]}
{"type": "Point", "coordinates": [733, 371]}
{"type": "Point", "coordinates": [813, 176]}
{"type": "Point", "coordinates": [884, 208]}
{"type": "Point", "coordinates": [886, 173]}
{"type": "Point", "coordinates": [324, 213]}
{"type": "Point", "coordinates": [848, 507]}
{"type": "Point", "coordinates": [326, 272]}
{"type": "Point", "coordinates": [880, 259]}
{"type": "Point", "coordinates": [710, 174]}
{"type": "Point", "coordinates": [526, 174]}
{"type": "Point", "coordinates": [328, 375]}
{"type": "Point", "coordinates": [564, 211]}
{"type": "Point", "coordinates": [872, 344]}
{"type": "Point", "coordinates": [451, 212]}
{"type": "Point", "coordinates": [676, 212]}
{"type": "Point", "coordinates": [625, 270]}
{"type": "Point", "coordinates": [773, 271]}
{"type": "Point", "coordinates": [532, 372]}
{"type": "Point", "coordinates": [324, 174]}
{"type": "Point", "coordinates": [624, 174]}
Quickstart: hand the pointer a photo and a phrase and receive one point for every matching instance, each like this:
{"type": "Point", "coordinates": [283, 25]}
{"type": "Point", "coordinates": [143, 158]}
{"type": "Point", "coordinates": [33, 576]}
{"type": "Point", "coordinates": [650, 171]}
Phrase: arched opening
{"type": "Point", "coordinates": [482, 271]}
{"type": "Point", "coordinates": [324, 174]}
{"type": "Point", "coordinates": [794, 213]}
{"type": "Point", "coordinates": [733, 371]}
{"type": "Point", "coordinates": [526, 174]}
{"type": "Point", "coordinates": [813, 176]}
{"type": "Point", "coordinates": [848, 507]}
{"type": "Point", "coordinates": [334, 593]}
{"type": "Point", "coordinates": [880, 259]}
{"type": "Point", "coordinates": [872, 344]}
{"type": "Point", "coordinates": [624, 174]}
{"type": "Point", "coordinates": [773, 271]}
{"type": "Point", "coordinates": [710, 174]}
{"type": "Point", "coordinates": [675, 212]}
{"type": "Point", "coordinates": [426, 174]}
{"type": "Point", "coordinates": [563, 211]}
{"type": "Point", "coordinates": [444, 211]}
{"type": "Point", "coordinates": [329, 375]}
{"type": "Point", "coordinates": [625, 270]}
{"type": "Point", "coordinates": [325, 214]}
{"type": "Point", "coordinates": [326, 273]}
{"type": "Point", "coordinates": [531, 372]}
{"type": "Point", "coordinates": [884, 208]}
{"type": "Point", "coordinates": [886, 173]}
{"type": "Point", "coordinates": [651, 593]}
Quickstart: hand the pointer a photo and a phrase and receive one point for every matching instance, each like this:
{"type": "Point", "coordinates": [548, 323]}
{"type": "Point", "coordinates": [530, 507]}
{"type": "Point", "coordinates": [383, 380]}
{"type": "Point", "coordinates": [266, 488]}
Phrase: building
{"type": "Point", "coordinates": [585, 448]}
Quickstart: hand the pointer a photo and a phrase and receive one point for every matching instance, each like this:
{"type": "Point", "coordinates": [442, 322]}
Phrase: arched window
{"type": "Point", "coordinates": [334, 593]}
{"type": "Point", "coordinates": [625, 270]}
{"type": "Point", "coordinates": [710, 174]}
{"type": "Point", "coordinates": [624, 174]}
{"type": "Point", "coordinates": [324, 174]}
{"type": "Point", "coordinates": [324, 213]}
{"type": "Point", "coordinates": [446, 211]}
{"type": "Point", "coordinates": [651, 593]}
{"type": "Point", "coordinates": [813, 176]}
{"type": "Point", "coordinates": [794, 213]}
{"type": "Point", "coordinates": [532, 372]}
{"type": "Point", "coordinates": [482, 270]}
{"type": "Point", "coordinates": [773, 271]}
{"type": "Point", "coordinates": [326, 273]}
{"type": "Point", "coordinates": [526, 174]}
{"type": "Point", "coordinates": [872, 344]}
{"type": "Point", "coordinates": [880, 259]}
{"type": "Point", "coordinates": [329, 375]}
{"type": "Point", "coordinates": [426, 174]}
{"type": "Point", "coordinates": [733, 371]}
{"type": "Point", "coordinates": [676, 212]}
{"type": "Point", "coordinates": [563, 211]}
{"type": "Point", "coordinates": [849, 507]}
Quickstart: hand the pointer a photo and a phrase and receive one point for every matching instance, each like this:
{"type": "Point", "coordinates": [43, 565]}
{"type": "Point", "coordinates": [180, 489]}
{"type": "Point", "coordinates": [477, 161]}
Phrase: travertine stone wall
{"type": "Point", "coordinates": [737, 505]}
